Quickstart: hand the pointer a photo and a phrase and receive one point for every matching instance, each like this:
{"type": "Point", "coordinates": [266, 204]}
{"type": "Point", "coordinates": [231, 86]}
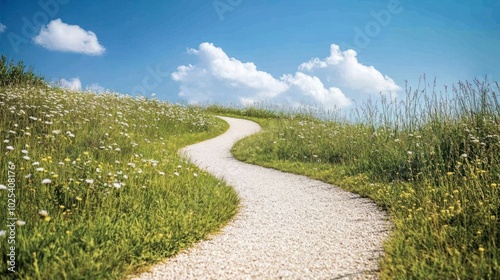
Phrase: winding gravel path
{"type": "Point", "coordinates": [289, 226]}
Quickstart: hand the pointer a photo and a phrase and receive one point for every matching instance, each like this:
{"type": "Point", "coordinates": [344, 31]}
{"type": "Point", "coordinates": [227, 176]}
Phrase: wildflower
{"type": "Point", "coordinates": [131, 164]}
{"type": "Point", "coordinates": [2, 233]}
{"type": "Point", "coordinates": [47, 219]}
{"type": "Point", "coordinates": [463, 155]}
{"type": "Point", "coordinates": [35, 163]}
{"type": "Point", "coordinates": [161, 173]}
{"type": "Point", "coordinates": [195, 174]}
{"type": "Point", "coordinates": [3, 187]}
{"type": "Point", "coordinates": [55, 176]}
{"type": "Point", "coordinates": [43, 213]}
{"type": "Point", "coordinates": [176, 173]}
{"type": "Point", "coordinates": [475, 141]}
{"type": "Point", "coordinates": [409, 153]}
{"type": "Point", "coordinates": [449, 173]}
{"type": "Point", "coordinates": [481, 249]}
{"type": "Point", "coordinates": [86, 153]}
{"type": "Point", "coordinates": [67, 160]}
{"type": "Point", "coordinates": [117, 185]}
{"type": "Point", "coordinates": [396, 140]}
{"type": "Point", "coordinates": [46, 181]}
{"type": "Point", "coordinates": [24, 152]}
{"type": "Point", "coordinates": [10, 148]}
{"type": "Point", "coordinates": [26, 157]}
{"type": "Point", "coordinates": [6, 141]}
{"type": "Point", "coordinates": [56, 132]}
{"type": "Point", "coordinates": [493, 185]}
{"type": "Point", "coordinates": [98, 170]}
{"type": "Point", "coordinates": [20, 223]}
{"type": "Point", "coordinates": [78, 198]}
{"type": "Point", "coordinates": [89, 181]}
{"type": "Point", "coordinates": [28, 176]}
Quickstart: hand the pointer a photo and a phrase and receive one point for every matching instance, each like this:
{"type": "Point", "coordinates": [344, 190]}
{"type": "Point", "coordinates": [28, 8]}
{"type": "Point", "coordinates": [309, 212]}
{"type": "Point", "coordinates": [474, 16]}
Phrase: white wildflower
{"type": "Point", "coordinates": [46, 181]}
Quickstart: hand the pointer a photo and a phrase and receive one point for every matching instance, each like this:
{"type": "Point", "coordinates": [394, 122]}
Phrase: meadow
{"type": "Point", "coordinates": [91, 185]}
{"type": "Point", "coordinates": [432, 160]}
{"type": "Point", "coordinates": [98, 191]}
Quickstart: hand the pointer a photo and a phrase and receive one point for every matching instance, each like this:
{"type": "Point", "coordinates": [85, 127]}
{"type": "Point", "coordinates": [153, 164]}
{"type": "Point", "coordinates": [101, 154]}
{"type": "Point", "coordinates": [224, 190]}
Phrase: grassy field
{"type": "Point", "coordinates": [93, 182]}
{"type": "Point", "coordinates": [95, 189]}
{"type": "Point", "coordinates": [432, 160]}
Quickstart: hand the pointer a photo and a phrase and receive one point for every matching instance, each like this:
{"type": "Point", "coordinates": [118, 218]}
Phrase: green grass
{"type": "Point", "coordinates": [117, 197]}
{"type": "Point", "coordinates": [100, 191]}
{"type": "Point", "coordinates": [431, 160]}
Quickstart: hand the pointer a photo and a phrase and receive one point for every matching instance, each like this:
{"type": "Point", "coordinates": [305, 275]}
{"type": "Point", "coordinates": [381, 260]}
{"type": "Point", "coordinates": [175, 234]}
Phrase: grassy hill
{"type": "Point", "coordinates": [432, 160]}
{"type": "Point", "coordinates": [94, 184]}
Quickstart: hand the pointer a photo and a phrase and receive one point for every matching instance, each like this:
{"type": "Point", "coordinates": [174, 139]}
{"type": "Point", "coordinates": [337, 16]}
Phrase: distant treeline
{"type": "Point", "coordinates": [15, 74]}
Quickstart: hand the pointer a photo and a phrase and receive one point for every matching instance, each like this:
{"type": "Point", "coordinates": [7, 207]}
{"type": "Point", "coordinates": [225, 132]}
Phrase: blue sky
{"type": "Point", "coordinates": [240, 51]}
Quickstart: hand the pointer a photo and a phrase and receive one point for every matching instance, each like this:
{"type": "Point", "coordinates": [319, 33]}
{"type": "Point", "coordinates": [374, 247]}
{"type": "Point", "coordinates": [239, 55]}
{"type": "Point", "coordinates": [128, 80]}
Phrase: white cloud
{"type": "Point", "coordinates": [344, 69]}
{"type": "Point", "coordinates": [311, 86]}
{"type": "Point", "coordinates": [73, 84]}
{"type": "Point", "coordinates": [59, 36]}
{"type": "Point", "coordinates": [95, 87]}
{"type": "Point", "coordinates": [2, 28]}
{"type": "Point", "coordinates": [219, 77]}
{"type": "Point", "coordinates": [216, 77]}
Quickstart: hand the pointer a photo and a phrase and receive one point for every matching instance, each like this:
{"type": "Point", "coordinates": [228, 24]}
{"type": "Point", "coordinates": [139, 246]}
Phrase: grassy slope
{"type": "Point", "coordinates": [435, 168]}
{"type": "Point", "coordinates": [119, 197]}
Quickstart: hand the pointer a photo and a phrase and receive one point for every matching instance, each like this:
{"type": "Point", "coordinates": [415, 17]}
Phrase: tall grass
{"type": "Point", "coordinates": [98, 188]}
{"type": "Point", "coordinates": [431, 159]}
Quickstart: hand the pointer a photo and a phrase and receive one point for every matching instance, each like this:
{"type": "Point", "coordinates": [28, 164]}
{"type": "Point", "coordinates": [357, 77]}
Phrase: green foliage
{"type": "Point", "coordinates": [15, 74]}
{"type": "Point", "coordinates": [432, 160]}
{"type": "Point", "coordinates": [99, 183]}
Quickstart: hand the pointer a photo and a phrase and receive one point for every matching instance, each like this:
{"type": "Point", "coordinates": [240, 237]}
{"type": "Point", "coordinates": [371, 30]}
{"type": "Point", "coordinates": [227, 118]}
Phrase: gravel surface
{"type": "Point", "coordinates": [289, 226]}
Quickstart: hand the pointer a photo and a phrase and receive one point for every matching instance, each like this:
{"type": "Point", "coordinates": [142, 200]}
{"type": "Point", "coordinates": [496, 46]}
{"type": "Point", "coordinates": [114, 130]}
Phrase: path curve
{"type": "Point", "coordinates": [289, 226]}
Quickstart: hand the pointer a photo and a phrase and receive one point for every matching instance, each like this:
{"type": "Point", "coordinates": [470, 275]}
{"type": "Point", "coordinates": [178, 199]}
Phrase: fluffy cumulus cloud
{"type": "Point", "coordinates": [59, 36]}
{"type": "Point", "coordinates": [2, 28]}
{"type": "Point", "coordinates": [216, 77]}
{"type": "Point", "coordinates": [344, 69]}
{"type": "Point", "coordinates": [73, 84]}
{"type": "Point", "coordinates": [219, 77]}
